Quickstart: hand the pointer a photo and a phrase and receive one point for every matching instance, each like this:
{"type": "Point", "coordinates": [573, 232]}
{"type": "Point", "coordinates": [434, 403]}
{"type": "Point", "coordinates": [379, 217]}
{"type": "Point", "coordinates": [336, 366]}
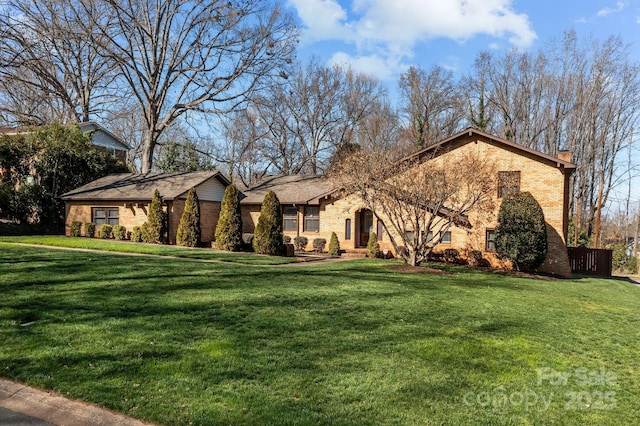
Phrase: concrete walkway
{"type": "Point", "coordinates": [23, 405]}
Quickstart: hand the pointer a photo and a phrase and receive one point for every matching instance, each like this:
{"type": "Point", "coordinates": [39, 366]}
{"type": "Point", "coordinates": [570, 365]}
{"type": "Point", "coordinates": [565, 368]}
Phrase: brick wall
{"type": "Point", "coordinates": [135, 214]}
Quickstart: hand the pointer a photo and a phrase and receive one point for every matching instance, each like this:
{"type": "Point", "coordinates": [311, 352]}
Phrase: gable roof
{"type": "Point", "coordinates": [93, 126]}
{"type": "Point", "coordinates": [295, 189]}
{"type": "Point", "coordinates": [140, 187]}
{"type": "Point", "coordinates": [471, 134]}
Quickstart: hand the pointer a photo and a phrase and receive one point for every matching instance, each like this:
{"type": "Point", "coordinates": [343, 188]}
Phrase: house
{"type": "Point", "coordinates": [313, 208]}
{"type": "Point", "coordinates": [123, 199]}
{"type": "Point", "coordinates": [104, 139]}
{"type": "Point", "coordinates": [100, 137]}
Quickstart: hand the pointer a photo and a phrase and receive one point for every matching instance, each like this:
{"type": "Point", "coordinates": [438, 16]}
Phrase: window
{"type": "Point", "coordinates": [429, 236]}
{"type": "Point", "coordinates": [111, 152]}
{"type": "Point", "coordinates": [380, 229]}
{"type": "Point", "coordinates": [410, 236]}
{"type": "Point", "coordinates": [508, 183]}
{"type": "Point", "coordinates": [446, 238]}
{"type": "Point", "coordinates": [289, 218]}
{"type": "Point", "coordinates": [347, 229]}
{"type": "Point", "coordinates": [311, 218]}
{"type": "Point", "coordinates": [108, 215]}
{"type": "Point", "coordinates": [490, 244]}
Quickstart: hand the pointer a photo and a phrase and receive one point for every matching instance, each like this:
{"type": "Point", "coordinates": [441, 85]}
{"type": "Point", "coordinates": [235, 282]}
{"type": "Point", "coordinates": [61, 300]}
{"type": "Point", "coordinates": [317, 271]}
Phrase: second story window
{"type": "Point", "coordinates": [508, 183]}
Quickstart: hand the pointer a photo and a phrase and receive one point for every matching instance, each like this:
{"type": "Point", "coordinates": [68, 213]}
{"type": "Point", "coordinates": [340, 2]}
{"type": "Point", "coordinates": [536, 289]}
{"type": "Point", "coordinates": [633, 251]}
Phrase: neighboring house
{"type": "Point", "coordinates": [314, 209]}
{"type": "Point", "coordinates": [104, 139]}
{"type": "Point", "coordinates": [123, 199]}
{"type": "Point", "coordinates": [100, 137]}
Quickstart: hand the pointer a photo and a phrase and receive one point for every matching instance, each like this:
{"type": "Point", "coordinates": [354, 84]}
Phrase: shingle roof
{"type": "Point", "coordinates": [140, 187]}
{"type": "Point", "coordinates": [289, 189]}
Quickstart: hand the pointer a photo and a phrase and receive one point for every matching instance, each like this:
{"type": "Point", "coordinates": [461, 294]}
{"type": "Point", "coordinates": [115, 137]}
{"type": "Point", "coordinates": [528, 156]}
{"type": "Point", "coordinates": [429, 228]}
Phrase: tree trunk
{"type": "Point", "coordinates": [596, 237]}
{"type": "Point", "coordinates": [147, 155]}
{"type": "Point", "coordinates": [635, 237]}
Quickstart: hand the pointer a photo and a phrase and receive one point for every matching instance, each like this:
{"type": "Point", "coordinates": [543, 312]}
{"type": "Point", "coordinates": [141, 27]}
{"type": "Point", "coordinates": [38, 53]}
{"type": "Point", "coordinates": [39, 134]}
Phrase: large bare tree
{"type": "Point", "coordinates": [432, 104]}
{"type": "Point", "coordinates": [299, 123]}
{"type": "Point", "coordinates": [51, 68]}
{"type": "Point", "coordinates": [184, 57]}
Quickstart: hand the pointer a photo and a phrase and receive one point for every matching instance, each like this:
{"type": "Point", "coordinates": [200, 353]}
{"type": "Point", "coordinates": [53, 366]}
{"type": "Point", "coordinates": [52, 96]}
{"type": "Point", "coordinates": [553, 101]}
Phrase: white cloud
{"type": "Point", "coordinates": [382, 68]}
{"type": "Point", "coordinates": [385, 32]}
{"type": "Point", "coordinates": [608, 11]}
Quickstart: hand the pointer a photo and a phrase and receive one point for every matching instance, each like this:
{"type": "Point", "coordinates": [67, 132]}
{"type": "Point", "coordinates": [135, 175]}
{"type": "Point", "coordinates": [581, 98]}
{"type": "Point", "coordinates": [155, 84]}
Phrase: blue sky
{"type": "Point", "coordinates": [384, 37]}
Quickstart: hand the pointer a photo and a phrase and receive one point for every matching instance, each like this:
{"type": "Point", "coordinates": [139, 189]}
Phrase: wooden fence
{"type": "Point", "coordinates": [598, 262]}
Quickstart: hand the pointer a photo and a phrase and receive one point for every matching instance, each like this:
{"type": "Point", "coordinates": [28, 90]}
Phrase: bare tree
{"type": "Point", "coordinates": [299, 123]}
{"type": "Point", "coordinates": [419, 198]}
{"type": "Point", "coordinates": [432, 104]}
{"type": "Point", "coordinates": [186, 57]}
{"type": "Point", "coordinates": [51, 68]}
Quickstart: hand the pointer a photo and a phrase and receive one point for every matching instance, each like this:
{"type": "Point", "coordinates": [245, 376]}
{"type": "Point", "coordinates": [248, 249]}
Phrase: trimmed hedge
{"type": "Point", "coordinates": [76, 229]}
{"type": "Point", "coordinates": [106, 231]}
{"type": "Point", "coordinates": [334, 245]}
{"type": "Point", "coordinates": [120, 232]}
{"type": "Point", "coordinates": [229, 228]}
{"type": "Point", "coordinates": [300, 243]}
{"type": "Point", "coordinates": [90, 230]}
{"type": "Point", "coordinates": [189, 231]}
{"type": "Point", "coordinates": [318, 244]}
{"type": "Point", "coordinates": [268, 237]}
{"type": "Point", "coordinates": [373, 248]}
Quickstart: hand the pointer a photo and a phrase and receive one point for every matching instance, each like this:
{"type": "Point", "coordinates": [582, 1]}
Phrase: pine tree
{"type": "Point", "coordinates": [156, 220]}
{"type": "Point", "coordinates": [521, 234]}
{"type": "Point", "coordinates": [268, 237]}
{"type": "Point", "coordinates": [334, 245]}
{"type": "Point", "coordinates": [229, 229]}
{"type": "Point", "coordinates": [189, 228]}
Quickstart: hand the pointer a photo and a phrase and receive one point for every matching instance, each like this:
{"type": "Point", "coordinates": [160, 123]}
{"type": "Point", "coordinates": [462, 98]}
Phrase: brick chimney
{"type": "Point", "coordinates": [565, 155]}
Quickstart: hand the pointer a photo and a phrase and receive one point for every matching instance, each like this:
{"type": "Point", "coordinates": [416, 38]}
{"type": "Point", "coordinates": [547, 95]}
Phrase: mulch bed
{"type": "Point", "coordinates": [416, 269]}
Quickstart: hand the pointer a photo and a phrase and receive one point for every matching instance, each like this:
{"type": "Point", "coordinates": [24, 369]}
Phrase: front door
{"type": "Point", "coordinates": [366, 226]}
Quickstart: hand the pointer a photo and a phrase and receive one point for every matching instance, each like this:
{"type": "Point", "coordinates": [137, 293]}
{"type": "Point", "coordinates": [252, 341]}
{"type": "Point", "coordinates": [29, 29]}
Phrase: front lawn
{"type": "Point", "coordinates": [153, 249]}
{"type": "Point", "coordinates": [175, 341]}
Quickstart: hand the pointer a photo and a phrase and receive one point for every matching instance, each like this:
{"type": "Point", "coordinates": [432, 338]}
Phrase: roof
{"type": "Point", "coordinates": [470, 132]}
{"type": "Point", "coordinates": [289, 189]}
{"type": "Point", "coordinates": [140, 187]}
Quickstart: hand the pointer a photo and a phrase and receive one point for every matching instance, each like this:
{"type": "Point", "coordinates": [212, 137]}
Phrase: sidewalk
{"type": "Point", "coordinates": [23, 405]}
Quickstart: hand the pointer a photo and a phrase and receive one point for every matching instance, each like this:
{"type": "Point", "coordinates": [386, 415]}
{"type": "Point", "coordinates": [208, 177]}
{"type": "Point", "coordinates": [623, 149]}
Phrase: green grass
{"type": "Point", "coordinates": [152, 249]}
{"type": "Point", "coordinates": [175, 341]}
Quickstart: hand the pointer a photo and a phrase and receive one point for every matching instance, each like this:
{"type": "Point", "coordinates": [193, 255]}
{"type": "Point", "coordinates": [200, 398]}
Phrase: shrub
{"type": "Point", "coordinates": [287, 239]}
{"type": "Point", "coordinates": [268, 236]}
{"type": "Point", "coordinates": [76, 229]}
{"type": "Point", "coordinates": [451, 255]}
{"type": "Point", "coordinates": [90, 230]}
{"type": "Point", "coordinates": [247, 242]}
{"type": "Point", "coordinates": [146, 235]}
{"type": "Point", "coordinates": [119, 232]}
{"type": "Point", "coordinates": [521, 234]}
{"type": "Point", "coordinates": [300, 243]}
{"type": "Point", "coordinates": [106, 231]}
{"type": "Point", "coordinates": [136, 234]}
{"type": "Point", "coordinates": [373, 248]}
{"type": "Point", "coordinates": [334, 245]}
{"type": "Point", "coordinates": [622, 262]}
{"type": "Point", "coordinates": [156, 221]}
{"type": "Point", "coordinates": [189, 228]}
{"type": "Point", "coordinates": [229, 229]}
{"type": "Point", "coordinates": [318, 244]}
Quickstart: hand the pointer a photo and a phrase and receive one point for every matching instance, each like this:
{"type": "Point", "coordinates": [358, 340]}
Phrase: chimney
{"type": "Point", "coordinates": [565, 155]}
